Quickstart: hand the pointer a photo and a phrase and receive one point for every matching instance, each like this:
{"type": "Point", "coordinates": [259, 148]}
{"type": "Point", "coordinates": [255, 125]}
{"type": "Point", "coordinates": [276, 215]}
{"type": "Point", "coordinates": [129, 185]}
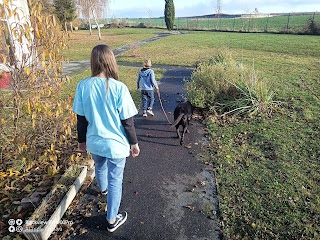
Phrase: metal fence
{"type": "Point", "coordinates": [275, 23]}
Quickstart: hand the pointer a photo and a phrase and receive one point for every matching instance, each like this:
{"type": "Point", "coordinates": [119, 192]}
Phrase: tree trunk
{"type": "Point", "coordinates": [95, 20]}
{"type": "Point", "coordinates": [90, 28]}
{"type": "Point", "coordinates": [99, 32]}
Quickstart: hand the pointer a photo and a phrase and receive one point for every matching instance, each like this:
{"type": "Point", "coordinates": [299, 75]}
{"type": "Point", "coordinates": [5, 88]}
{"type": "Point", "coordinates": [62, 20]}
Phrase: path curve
{"type": "Point", "coordinates": [74, 66]}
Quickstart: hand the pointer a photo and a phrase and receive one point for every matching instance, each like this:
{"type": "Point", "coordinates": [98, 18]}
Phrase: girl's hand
{"type": "Point", "coordinates": [82, 147]}
{"type": "Point", "coordinates": [135, 150]}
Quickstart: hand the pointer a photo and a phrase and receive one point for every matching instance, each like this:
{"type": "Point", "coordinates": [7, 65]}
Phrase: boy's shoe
{"type": "Point", "coordinates": [149, 111]}
{"type": "Point", "coordinates": [144, 114]}
{"type": "Point", "coordinates": [120, 219]}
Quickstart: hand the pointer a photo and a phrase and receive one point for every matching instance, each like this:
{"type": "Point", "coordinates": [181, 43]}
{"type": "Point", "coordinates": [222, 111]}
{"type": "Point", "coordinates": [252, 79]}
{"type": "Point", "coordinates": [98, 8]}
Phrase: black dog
{"type": "Point", "coordinates": [182, 116]}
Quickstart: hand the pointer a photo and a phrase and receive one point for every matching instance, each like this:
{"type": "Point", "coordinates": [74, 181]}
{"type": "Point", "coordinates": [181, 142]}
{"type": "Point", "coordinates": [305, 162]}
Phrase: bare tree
{"type": "Point", "coordinates": [93, 9]}
{"type": "Point", "coordinates": [218, 12]}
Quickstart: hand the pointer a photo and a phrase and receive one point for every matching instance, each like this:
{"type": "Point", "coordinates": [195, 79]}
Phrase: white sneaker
{"type": "Point", "coordinates": [144, 114]}
{"type": "Point", "coordinates": [149, 111]}
{"type": "Point", "coordinates": [120, 219]}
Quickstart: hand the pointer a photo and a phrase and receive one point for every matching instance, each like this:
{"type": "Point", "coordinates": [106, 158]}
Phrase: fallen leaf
{"type": "Point", "coordinates": [27, 188]}
{"type": "Point", "coordinates": [83, 230]}
{"type": "Point", "coordinates": [4, 199]}
{"type": "Point", "coordinates": [203, 183]}
{"type": "Point", "coordinates": [102, 206]}
{"type": "Point", "coordinates": [189, 207]}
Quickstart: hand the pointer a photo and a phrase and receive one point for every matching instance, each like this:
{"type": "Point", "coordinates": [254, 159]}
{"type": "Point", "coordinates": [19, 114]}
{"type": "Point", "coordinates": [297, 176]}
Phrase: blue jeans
{"type": "Point", "coordinates": [109, 175]}
{"type": "Point", "coordinates": [147, 99]}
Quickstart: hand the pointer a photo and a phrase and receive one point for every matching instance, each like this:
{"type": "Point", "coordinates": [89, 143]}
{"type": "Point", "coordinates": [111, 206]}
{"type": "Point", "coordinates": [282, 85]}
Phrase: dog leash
{"type": "Point", "coordinates": [162, 107]}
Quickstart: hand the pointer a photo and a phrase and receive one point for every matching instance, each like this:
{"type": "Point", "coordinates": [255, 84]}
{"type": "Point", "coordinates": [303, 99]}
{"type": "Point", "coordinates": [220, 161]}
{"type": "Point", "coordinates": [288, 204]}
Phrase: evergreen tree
{"type": "Point", "coordinates": [47, 6]}
{"type": "Point", "coordinates": [65, 11]}
{"type": "Point", "coordinates": [169, 14]}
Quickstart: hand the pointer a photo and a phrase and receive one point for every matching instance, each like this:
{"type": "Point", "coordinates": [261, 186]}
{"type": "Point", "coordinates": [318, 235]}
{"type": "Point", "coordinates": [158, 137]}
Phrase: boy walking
{"type": "Point", "coordinates": [146, 82]}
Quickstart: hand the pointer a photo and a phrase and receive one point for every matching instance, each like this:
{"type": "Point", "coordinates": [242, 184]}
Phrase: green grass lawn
{"type": "Point", "coordinates": [248, 46]}
{"type": "Point", "coordinates": [291, 24]}
{"type": "Point", "coordinates": [267, 168]}
{"type": "Point", "coordinates": [81, 42]}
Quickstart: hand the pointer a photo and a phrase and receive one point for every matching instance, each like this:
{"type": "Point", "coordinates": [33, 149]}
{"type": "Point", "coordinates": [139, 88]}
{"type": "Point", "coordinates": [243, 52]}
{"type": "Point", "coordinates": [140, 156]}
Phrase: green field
{"type": "Point", "coordinates": [288, 24]}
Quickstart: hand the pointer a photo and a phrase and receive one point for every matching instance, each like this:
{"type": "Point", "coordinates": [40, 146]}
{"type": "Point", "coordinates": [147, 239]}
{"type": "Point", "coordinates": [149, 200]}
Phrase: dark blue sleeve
{"type": "Point", "coordinates": [130, 130]}
{"type": "Point", "coordinates": [82, 125]}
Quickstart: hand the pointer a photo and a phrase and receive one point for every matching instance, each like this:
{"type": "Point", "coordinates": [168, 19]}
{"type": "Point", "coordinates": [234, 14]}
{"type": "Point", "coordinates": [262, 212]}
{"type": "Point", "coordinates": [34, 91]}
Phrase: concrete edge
{"type": "Point", "coordinates": [44, 233]}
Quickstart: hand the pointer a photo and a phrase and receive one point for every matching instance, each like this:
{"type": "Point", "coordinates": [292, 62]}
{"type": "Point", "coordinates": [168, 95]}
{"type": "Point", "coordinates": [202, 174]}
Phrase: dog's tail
{"type": "Point", "coordinates": [177, 120]}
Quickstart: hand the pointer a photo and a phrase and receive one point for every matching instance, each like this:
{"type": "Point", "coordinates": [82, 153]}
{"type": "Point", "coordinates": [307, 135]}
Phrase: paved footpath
{"type": "Point", "coordinates": [71, 67]}
{"type": "Point", "coordinates": [168, 191]}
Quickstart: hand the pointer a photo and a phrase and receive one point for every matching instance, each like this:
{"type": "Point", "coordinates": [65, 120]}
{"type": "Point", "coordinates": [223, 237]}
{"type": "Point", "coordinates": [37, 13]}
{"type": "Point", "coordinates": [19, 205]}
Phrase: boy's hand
{"type": "Point", "coordinates": [135, 150]}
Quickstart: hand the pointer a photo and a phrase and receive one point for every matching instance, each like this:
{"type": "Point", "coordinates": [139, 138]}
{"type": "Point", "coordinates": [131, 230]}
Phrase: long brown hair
{"type": "Point", "coordinates": [103, 60]}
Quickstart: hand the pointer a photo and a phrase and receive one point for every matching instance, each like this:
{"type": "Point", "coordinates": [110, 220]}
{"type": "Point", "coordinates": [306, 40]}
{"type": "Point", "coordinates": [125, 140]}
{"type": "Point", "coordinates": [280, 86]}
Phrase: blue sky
{"type": "Point", "coordinates": [185, 8]}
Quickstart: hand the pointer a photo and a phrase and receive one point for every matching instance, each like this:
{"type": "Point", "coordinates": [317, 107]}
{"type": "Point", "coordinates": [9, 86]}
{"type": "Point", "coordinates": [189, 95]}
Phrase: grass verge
{"type": "Point", "coordinates": [268, 176]}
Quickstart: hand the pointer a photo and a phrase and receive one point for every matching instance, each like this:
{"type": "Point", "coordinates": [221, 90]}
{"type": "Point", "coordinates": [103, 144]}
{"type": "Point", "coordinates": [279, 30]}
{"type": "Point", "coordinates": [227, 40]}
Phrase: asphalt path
{"type": "Point", "coordinates": [168, 190]}
{"type": "Point", "coordinates": [75, 66]}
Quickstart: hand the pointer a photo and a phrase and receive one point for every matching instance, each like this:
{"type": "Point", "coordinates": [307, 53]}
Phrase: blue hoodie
{"type": "Point", "coordinates": [146, 79]}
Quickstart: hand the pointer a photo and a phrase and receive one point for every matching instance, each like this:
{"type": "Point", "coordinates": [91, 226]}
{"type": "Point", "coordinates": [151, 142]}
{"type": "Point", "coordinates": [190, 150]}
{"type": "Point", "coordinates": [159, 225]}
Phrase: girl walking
{"type": "Point", "coordinates": [105, 126]}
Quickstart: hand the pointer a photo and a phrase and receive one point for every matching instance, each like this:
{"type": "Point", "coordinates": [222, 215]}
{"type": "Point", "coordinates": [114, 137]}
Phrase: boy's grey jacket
{"type": "Point", "coordinates": [146, 79]}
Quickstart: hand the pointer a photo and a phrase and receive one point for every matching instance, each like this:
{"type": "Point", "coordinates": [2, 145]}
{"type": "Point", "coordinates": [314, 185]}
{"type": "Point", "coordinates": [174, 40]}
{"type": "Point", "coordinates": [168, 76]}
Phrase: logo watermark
{"type": "Point", "coordinates": [16, 225]}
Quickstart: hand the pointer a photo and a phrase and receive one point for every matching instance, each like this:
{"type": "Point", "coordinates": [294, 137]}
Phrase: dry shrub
{"type": "Point", "coordinates": [225, 86]}
{"type": "Point", "coordinates": [36, 125]}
